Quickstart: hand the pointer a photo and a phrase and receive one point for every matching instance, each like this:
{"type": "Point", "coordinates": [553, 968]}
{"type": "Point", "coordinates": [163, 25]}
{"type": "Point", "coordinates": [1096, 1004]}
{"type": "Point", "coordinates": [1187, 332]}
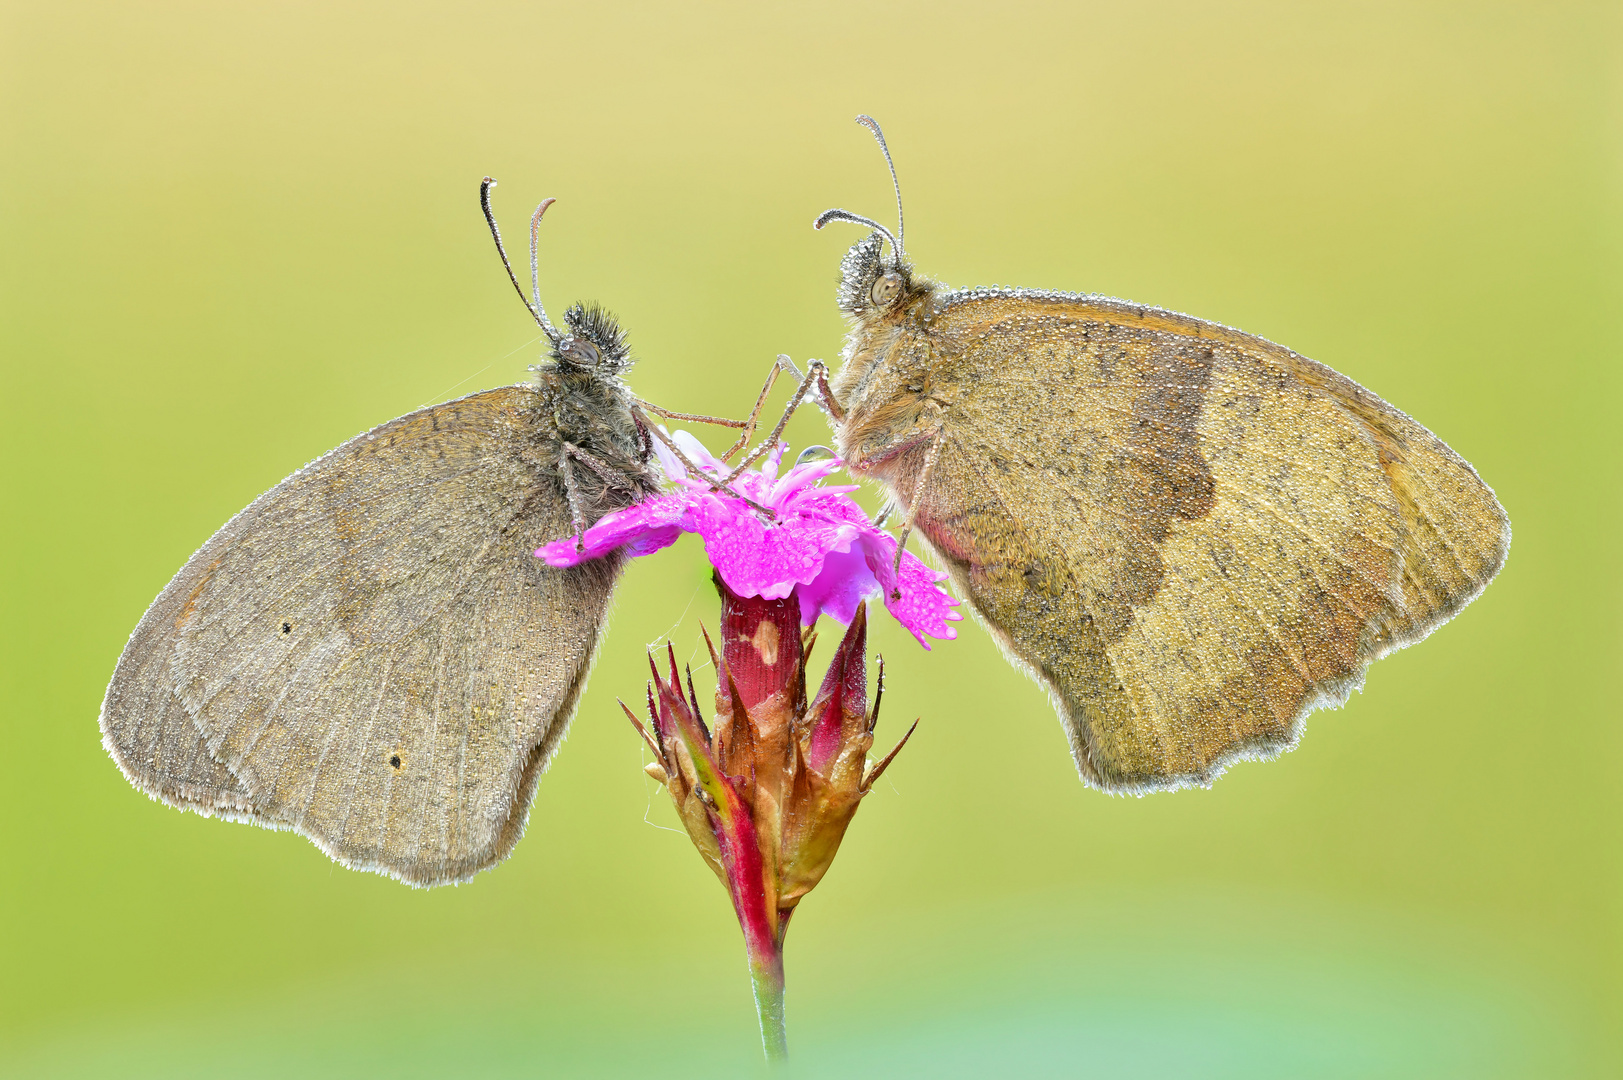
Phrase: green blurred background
{"type": "Point", "coordinates": [232, 236]}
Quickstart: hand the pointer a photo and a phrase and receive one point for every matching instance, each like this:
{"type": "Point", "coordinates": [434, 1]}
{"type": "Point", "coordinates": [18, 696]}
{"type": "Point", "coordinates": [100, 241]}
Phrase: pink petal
{"type": "Point", "coordinates": [647, 526]}
{"type": "Point", "coordinates": [769, 467]}
{"type": "Point", "coordinates": [675, 471]}
{"type": "Point", "coordinates": [700, 454]}
{"type": "Point", "coordinates": [800, 478]}
{"type": "Point", "coordinates": [757, 559]}
{"type": "Point", "coordinates": [845, 580]}
{"type": "Point", "coordinates": [923, 607]}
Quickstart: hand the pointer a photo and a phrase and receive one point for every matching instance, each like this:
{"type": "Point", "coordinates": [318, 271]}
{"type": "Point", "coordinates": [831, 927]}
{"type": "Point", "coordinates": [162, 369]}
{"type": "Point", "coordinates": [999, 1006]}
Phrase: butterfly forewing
{"type": "Point", "coordinates": [1190, 535]}
{"type": "Point", "coordinates": [371, 652]}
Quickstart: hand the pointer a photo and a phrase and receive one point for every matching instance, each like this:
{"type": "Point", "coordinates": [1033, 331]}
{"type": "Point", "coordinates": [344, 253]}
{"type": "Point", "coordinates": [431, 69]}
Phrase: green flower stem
{"type": "Point", "coordinates": [766, 973]}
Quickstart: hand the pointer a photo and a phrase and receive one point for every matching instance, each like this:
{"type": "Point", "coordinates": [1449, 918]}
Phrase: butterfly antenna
{"type": "Point", "coordinates": [536, 313]}
{"type": "Point", "coordinates": [535, 267]}
{"type": "Point", "coordinates": [857, 219]}
{"type": "Point", "coordinates": [901, 229]}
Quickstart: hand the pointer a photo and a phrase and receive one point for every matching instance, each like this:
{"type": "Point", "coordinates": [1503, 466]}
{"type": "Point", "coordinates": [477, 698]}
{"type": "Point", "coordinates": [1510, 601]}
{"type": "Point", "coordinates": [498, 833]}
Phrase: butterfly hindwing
{"type": "Point", "coordinates": [148, 731]}
{"type": "Point", "coordinates": [370, 651]}
{"type": "Point", "coordinates": [1191, 536]}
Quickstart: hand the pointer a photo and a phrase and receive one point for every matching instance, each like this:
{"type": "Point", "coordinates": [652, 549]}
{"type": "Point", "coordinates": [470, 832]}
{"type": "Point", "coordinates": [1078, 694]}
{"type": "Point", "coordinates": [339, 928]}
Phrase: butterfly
{"type": "Point", "coordinates": [370, 654]}
{"type": "Point", "coordinates": [1192, 537]}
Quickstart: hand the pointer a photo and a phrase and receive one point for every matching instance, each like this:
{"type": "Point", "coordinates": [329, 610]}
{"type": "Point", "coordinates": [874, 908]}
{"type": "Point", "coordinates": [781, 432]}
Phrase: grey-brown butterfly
{"type": "Point", "coordinates": [370, 654]}
{"type": "Point", "coordinates": [1190, 536]}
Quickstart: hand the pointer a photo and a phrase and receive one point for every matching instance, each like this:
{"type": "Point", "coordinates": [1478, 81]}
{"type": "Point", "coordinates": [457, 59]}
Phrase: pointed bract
{"type": "Point", "coordinates": [767, 793]}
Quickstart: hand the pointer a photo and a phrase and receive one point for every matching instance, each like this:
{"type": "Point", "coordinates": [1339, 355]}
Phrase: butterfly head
{"type": "Point", "coordinates": [593, 342]}
{"type": "Point", "coordinates": [872, 285]}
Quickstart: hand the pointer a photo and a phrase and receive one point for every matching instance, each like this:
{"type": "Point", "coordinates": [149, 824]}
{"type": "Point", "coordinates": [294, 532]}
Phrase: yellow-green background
{"type": "Point", "coordinates": [232, 236]}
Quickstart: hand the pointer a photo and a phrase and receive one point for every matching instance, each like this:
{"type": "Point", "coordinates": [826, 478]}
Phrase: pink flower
{"type": "Point", "coordinates": [819, 545]}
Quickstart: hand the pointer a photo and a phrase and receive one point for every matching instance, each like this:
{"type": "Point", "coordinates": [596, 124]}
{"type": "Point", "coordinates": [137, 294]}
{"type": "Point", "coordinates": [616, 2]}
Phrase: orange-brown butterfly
{"type": "Point", "coordinates": [1191, 536]}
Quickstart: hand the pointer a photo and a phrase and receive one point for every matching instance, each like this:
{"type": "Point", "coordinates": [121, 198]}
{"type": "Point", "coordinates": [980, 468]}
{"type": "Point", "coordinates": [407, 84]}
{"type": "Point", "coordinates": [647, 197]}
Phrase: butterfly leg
{"type": "Point", "coordinates": [570, 453]}
{"type": "Point", "coordinates": [825, 396]}
{"type": "Point", "coordinates": [694, 469]}
{"type": "Point", "coordinates": [930, 457]}
{"type": "Point", "coordinates": [697, 418]}
{"type": "Point", "coordinates": [755, 413]}
{"type": "Point", "coordinates": [645, 441]}
{"type": "Point", "coordinates": [771, 440]}
{"type": "Point", "coordinates": [816, 375]}
{"type": "Point", "coordinates": [577, 514]}
{"type": "Point", "coordinates": [593, 462]}
{"type": "Point", "coordinates": [748, 425]}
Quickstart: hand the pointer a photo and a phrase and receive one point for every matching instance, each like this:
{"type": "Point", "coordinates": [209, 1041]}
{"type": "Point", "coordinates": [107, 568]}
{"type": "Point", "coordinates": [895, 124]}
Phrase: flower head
{"type": "Point", "coordinates": [819, 544]}
{"type": "Point", "coordinates": [767, 790]}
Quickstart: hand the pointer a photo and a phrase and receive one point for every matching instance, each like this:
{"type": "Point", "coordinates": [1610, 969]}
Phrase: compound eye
{"type": "Point", "coordinates": [577, 351]}
{"type": "Point", "coordinates": [886, 289]}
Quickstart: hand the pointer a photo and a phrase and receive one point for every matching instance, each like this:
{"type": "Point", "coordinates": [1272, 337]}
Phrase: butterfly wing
{"type": "Point", "coordinates": [370, 654]}
{"type": "Point", "coordinates": [1191, 536]}
{"type": "Point", "coordinates": [148, 731]}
